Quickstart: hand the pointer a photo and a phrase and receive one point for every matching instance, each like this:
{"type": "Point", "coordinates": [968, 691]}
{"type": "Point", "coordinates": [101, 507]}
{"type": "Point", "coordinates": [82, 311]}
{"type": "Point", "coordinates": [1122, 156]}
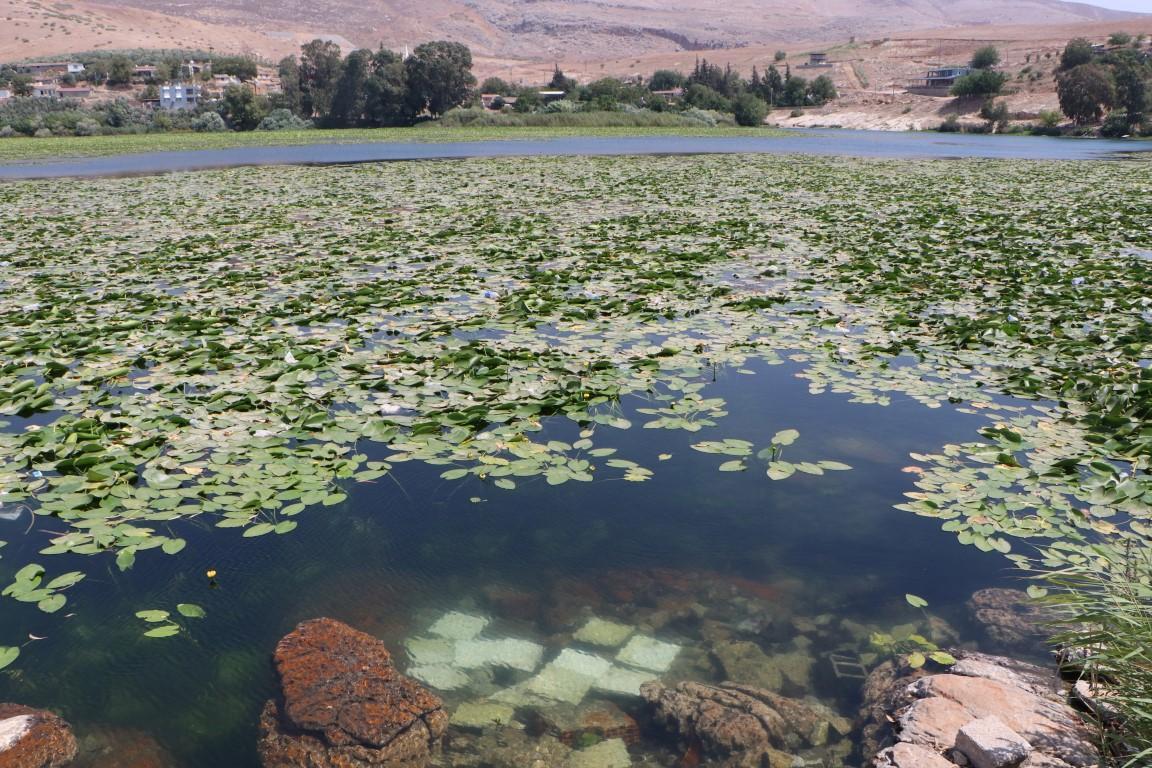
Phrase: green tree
{"type": "Point", "coordinates": [702, 97]}
{"type": "Point", "coordinates": [96, 71]}
{"type": "Point", "coordinates": [986, 57]}
{"type": "Point", "coordinates": [350, 97]}
{"type": "Point", "coordinates": [665, 80]}
{"type": "Point", "coordinates": [120, 69]}
{"type": "Point", "coordinates": [320, 66]}
{"type": "Point", "coordinates": [560, 82]}
{"type": "Point", "coordinates": [822, 90]}
{"type": "Point", "coordinates": [527, 99]}
{"type": "Point", "coordinates": [386, 101]}
{"type": "Point", "coordinates": [242, 109]}
{"type": "Point", "coordinates": [237, 66]}
{"type": "Point", "coordinates": [749, 110]}
{"type": "Point", "coordinates": [1119, 38]}
{"type": "Point", "coordinates": [495, 85]}
{"type": "Point", "coordinates": [780, 56]}
{"type": "Point", "coordinates": [290, 96]}
{"type": "Point", "coordinates": [1086, 92]}
{"type": "Point", "coordinates": [439, 76]}
{"type": "Point", "coordinates": [795, 91]}
{"type": "Point", "coordinates": [980, 82]}
{"type": "Point", "coordinates": [1078, 51]}
{"type": "Point", "coordinates": [996, 113]}
{"type": "Point", "coordinates": [1132, 89]}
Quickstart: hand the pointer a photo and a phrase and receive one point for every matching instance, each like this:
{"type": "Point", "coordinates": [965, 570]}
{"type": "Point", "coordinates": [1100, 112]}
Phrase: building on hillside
{"type": "Point", "coordinates": [548, 96]}
{"type": "Point", "coordinates": [191, 69]}
{"type": "Point", "coordinates": [938, 82]}
{"type": "Point", "coordinates": [671, 96]}
{"type": "Point", "coordinates": [144, 73]}
{"type": "Point", "coordinates": [73, 93]}
{"type": "Point", "coordinates": [180, 96]}
{"type": "Point", "coordinates": [5, 94]}
{"type": "Point", "coordinates": [49, 68]}
{"type": "Point", "coordinates": [267, 81]}
{"type": "Point", "coordinates": [818, 59]}
{"type": "Point", "coordinates": [45, 91]}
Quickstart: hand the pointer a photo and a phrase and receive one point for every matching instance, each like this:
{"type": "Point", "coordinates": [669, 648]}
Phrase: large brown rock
{"type": "Point", "coordinates": [34, 738]}
{"type": "Point", "coordinates": [345, 705]}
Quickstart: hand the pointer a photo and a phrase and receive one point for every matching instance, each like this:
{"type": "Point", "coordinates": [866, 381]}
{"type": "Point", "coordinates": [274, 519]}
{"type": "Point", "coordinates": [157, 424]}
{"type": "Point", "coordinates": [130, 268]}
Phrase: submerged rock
{"type": "Point", "coordinates": [607, 754]}
{"type": "Point", "coordinates": [595, 721]}
{"type": "Point", "coordinates": [738, 726]}
{"type": "Point", "coordinates": [34, 738]}
{"type": "Point", "coordinates": [478, 715]}
{"type": "Point", "coordinates": [344, 704]}
{"type": "Point", "coordinates": [1012, 622]}
{"type": "Point", "coordinates": [112, 747]}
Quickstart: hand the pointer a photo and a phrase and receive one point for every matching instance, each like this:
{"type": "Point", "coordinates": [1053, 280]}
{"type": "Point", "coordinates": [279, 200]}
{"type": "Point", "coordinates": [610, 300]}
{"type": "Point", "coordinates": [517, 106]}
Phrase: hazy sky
{"type": "Point", "coordinates": [1144, 6]}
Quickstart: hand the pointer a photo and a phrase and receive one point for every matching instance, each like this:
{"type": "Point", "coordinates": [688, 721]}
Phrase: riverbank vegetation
{"type": "Point", "coordinates": [324, 88]}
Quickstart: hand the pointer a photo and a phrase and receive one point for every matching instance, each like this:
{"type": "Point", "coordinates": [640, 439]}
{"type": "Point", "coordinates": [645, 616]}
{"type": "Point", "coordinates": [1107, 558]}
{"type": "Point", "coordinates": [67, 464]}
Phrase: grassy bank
{"type": "Point", "coordinates": [29, 149]}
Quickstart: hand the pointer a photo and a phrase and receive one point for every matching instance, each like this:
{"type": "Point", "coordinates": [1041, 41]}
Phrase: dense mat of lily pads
{"type": "Point", "coordinates": [217, 348]}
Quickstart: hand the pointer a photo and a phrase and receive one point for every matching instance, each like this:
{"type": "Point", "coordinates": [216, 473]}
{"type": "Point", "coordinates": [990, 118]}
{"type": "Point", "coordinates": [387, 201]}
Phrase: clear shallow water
{"type": "Point", "coordinates": [883, 144]}
{"type": "Point", "coordinates": [727, 547]}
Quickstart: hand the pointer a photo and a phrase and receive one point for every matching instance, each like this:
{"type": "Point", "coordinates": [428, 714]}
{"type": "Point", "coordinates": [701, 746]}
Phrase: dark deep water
{"type": "Point", "coordinates": [797, 563]}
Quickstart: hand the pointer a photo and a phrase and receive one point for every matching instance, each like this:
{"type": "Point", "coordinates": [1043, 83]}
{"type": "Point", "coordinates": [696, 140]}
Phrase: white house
{"type": "Point", "coordinates": [179, 96]}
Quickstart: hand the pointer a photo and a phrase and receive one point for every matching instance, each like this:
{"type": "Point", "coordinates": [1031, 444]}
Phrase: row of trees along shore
{"type": "Point", "coordinates": [366, 88]}
{"type": "Point", "coordinates": [380, 88]}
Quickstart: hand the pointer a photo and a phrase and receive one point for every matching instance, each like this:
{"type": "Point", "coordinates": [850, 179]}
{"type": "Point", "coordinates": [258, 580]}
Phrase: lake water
{"type": "Point", "coordinates": [779, 559]}
{"type": "Point", "coordinates": [883, 144]}
{"type": "Point", "coordinates": [748, 578]}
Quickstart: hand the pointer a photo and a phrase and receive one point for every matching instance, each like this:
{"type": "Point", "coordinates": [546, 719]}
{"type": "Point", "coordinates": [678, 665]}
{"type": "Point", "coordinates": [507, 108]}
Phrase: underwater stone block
{"type": "Point", "coordinates": [458, 626]}
{"type": "Point", "coordinates": [583, 663]}
{"type": "Point", "coordinates": [608, 634]}
{"type": "Point", "coordinates": [607, 754]}
{"type": "Point", "coordinates": [623, 681]}
{"type": "Point", "coordinates": [648, 653]}
{"type": "Point", "coordinates": [507, 652]}
{"type": "Point", "coordinates": [478, 715]}
{"type": "Point", "coordinates": [425, 651]}
{"type": "Point", "coordinates": [440, 676]}
{"type": "Point", "coordinates": [560, 684]}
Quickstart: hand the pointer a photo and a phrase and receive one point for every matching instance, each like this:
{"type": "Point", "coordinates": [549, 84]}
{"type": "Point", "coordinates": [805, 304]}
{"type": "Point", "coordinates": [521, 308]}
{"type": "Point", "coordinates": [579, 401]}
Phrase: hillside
{"type": "Point", "coordinates": [513, 29]}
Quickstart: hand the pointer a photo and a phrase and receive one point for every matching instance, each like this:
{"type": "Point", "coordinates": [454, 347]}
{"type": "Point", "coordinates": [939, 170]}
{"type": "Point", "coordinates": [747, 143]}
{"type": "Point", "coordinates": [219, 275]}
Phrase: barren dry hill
{"type": "Point", "coordinates": [512, 29]}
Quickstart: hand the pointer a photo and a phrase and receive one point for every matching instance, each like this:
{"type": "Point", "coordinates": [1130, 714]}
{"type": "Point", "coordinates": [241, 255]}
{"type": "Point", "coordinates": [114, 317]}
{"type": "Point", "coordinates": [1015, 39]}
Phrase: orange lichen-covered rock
{"type": "Point", "coordinates": [344, 704]}
{"type": "Point", "coordinates": [34, 738]}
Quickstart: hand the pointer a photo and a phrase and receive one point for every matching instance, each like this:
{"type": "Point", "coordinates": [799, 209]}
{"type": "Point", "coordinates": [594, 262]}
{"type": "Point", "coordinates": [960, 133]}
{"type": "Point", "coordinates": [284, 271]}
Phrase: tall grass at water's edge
{"type": "Point", "coordinates": [1103, 606]}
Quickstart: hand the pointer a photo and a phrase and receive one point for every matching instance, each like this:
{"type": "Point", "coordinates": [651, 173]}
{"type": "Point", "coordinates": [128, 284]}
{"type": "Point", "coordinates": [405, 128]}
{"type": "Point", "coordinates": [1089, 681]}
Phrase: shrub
{"type": "Point", "coordinates": [88, 128]}
{"type": "Point", "coordinates": [283, 120]}
{"type": "Point", "coordinates": [1116, 125]}
{"type": "Point", "coordinates": [986, 57]}
{"type": "Point", "coordinates": [950, 125]}
{"type": "Point", "coordinates": [982, 82]}
{"type": "Point", "coordinates": [796, 113]}
{"type": "Point", "coordinates": [43, 133]}
{"type": "Point", "coordinates": [562, 105]}
{"type": "Point", "coordinates": [749, 110]}
{"type": "Point", "coordinates": [7, 132]}
{"type": "Point", "coordinates": [209, 122]}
